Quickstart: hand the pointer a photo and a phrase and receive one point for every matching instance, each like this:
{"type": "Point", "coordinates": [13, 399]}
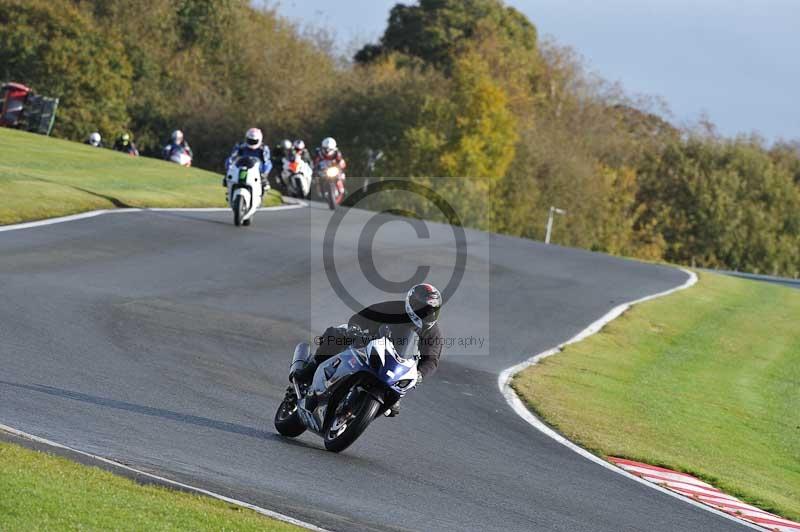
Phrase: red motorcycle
{"type": "Point", "coordinates": [330, 182]}
{"type": "Point", "coordinates": [21, 108]}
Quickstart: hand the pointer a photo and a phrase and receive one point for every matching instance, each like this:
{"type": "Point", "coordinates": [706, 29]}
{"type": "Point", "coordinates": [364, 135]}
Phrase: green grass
{"type": "Point", "coordinates": [43, 492]}
{"type": "Point", "coordinates": [705, 381]}
{"type": "Point", "coordinates": [42, 177]}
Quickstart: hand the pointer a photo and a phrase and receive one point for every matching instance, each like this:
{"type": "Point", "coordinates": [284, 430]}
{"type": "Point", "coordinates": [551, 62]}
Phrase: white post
{"type": "Point", "coordinates": [549, 227]}
{"type": "Point", "coordinates": [553, 212]}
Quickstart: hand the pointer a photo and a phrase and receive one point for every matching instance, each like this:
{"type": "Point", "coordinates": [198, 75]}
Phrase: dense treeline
{"type": "Point", "coordinates": [461, 88]}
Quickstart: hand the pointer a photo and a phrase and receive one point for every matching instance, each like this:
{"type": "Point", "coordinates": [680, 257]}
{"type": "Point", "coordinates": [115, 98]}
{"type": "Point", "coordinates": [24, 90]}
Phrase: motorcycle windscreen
{"type": "Point", "coordinates": [246, 162]}
{"type": "Point", "coordinates": [407, 344]}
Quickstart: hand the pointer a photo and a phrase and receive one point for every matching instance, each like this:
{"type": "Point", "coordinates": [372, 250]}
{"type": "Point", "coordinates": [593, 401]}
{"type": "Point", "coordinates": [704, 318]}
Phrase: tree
{"type": "Point", "coordinates": [436, 33]}
{"type": "Point", "coordinates": [194, 71]}
{"type": "Point", "coordinates": [723, 204]}
{"type": "Point", "coordinates": [59, 50]}
{"type": "Point", "coordinates": [476, 134]}
{"type": "Point", "coordinates": [437, 30]}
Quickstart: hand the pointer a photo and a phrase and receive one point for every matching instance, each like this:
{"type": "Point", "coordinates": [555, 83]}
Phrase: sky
{"type": "Point", "coordinates": [735, 61]}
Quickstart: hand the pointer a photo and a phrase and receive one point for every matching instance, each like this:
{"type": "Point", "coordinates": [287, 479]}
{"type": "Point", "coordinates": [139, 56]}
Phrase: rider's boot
{"type": "Point", "coordinates": [290, 394]}
{"type": "Point", "coordinates": [394, 410]}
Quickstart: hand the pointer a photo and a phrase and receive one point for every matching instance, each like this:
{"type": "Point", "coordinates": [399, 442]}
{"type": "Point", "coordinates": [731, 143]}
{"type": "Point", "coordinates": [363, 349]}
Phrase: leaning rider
{"type": "Point", "coordinates": [419, 311]}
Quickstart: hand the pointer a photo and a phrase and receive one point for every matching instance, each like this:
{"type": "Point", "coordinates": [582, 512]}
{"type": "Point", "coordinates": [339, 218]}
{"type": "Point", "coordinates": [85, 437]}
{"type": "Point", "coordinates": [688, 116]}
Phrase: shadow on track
{"type": "Point", "coordinates": [199, 421]}
{"type": "Point", "coordinates": [194, 218]}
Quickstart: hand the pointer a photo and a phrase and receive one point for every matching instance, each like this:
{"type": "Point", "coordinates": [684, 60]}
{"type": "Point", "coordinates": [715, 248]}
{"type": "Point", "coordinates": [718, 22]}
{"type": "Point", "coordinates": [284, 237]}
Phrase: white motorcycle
{"type": "Point", "coordinates": [296, 176]}
{"type": "Point", "coordinates": [180, 156]}
{"type": "Point", "coordinates": [244, 189]}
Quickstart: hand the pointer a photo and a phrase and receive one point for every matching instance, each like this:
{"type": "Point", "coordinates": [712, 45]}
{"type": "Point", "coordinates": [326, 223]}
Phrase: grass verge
{"type": "Point", "coordinates": [42, 177]}
{"type": "Point", "coordinates": [39, 491]}
{"type": "Point", "coordinates": [705, 381]}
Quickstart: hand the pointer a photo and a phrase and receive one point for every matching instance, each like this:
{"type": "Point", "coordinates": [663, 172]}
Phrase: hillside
{"type": "Point", "coordinates": [42, 177]}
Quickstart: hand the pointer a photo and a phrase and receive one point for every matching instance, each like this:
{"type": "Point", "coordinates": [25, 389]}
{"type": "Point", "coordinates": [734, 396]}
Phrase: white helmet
{"type": "Point", "coordinates": [95, 139]}
{"type": "Point", "coordinates": [177, 136]}
{"type": "Point", "coordinates": [299, 145]}
{"type": "Point", "coordinates": [329, 145]}
{"type": "Point", "coordinates": [254, 138]}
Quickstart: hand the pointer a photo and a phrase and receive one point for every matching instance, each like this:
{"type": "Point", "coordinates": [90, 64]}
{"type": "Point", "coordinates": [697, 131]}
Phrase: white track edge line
{"type": "Point", "coordinates": [258, 509]}
{"type": "Point", "coordinates": [91, 214]}
{"type": "Point", "coordinates": [513, 400]}
{"type": "Point", "coordinates": [63, 219]}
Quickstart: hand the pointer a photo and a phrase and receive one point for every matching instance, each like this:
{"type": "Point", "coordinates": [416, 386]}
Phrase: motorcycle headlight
{"type": "Point", "coordinates": [403, 384]}
{"type": "Point", "coordinates": [332, 171]}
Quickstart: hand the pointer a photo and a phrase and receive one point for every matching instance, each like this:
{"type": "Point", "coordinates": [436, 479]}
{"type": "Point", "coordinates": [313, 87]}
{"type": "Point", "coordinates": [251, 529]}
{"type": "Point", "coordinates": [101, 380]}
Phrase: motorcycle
{"type": "Point", "coordinates": [330, 183]}
{"type": "Point", "coordinates": [349, 390]}
{"type": "Point", "coordinates": [296, 176]}
{"type": "Point", "coordinates": [244, 189]}
{"type": "Point", "coordinates": [180, 156]}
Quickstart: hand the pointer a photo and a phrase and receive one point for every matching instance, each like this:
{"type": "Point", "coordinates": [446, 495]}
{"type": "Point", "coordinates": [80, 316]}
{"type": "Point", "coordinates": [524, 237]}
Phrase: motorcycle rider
{"type": "Point", "coordinates": [125, 144]}
{"type": "Point", "coordinates": [420, 310]}
{"type": "Point", "coordinates": [300, 150]}
{"type": "Point", "coordinates": [279, 153]}
{"type": "Point", "coordinates": [296, 151]}
{"type": "Point", "coordinates": [285, 149]}
{"type": "Point", "coordinates": [329, 152]}
{"type": "Point", "coordinates": [253, 146]}
{"type": "Point", "coordinates": [95, 140]}
{"type": "Point", "coordinates": [177, 142]}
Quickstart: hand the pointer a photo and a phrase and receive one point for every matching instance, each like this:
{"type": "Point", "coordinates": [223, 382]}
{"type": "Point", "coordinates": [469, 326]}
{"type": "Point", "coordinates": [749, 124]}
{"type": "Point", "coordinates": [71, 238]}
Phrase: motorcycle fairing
{"type": "Point", "coordinates": [377, 363]}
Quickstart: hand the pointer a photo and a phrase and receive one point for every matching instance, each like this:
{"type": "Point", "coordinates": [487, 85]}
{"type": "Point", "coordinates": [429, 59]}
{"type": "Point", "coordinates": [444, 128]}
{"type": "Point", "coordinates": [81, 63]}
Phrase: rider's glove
{"type": "Point", "coordinates": [357, 335]}
{"type": "Point", "coordinates": [354, 330]}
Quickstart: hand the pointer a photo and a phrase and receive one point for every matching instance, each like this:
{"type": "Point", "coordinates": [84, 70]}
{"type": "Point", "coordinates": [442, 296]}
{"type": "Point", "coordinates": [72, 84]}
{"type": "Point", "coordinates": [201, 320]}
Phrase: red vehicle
{"type": "Point", "coordinates": [21, 108]}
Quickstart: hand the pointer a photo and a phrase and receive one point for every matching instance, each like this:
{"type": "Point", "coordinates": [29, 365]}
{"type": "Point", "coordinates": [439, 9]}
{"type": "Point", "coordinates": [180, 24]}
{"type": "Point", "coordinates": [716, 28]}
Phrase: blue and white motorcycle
{"type": "Point", "coordinates": [349, 390]}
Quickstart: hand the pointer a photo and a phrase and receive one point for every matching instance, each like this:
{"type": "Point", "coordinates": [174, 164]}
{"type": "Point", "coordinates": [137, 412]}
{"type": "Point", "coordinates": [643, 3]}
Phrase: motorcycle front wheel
{"type": "Point", "coordinates": [351, 418]}
{"type": "Point", "coordinates": [332, 195]}
{"type": "Point", "coordinates": [287, 420]}
{"type": "Point", "coordinates": [239, 210]}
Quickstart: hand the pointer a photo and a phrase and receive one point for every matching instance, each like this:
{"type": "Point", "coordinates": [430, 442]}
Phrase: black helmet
{"type": "Point", "coordinates": [423, 304]}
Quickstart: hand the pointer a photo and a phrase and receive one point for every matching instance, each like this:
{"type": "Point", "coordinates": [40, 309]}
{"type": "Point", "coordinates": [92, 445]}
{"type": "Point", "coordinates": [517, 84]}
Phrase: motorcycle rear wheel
{"type": "Point", "coordinates": [287, 420]}
{"type": "Point", "coordinates": [346, 427]}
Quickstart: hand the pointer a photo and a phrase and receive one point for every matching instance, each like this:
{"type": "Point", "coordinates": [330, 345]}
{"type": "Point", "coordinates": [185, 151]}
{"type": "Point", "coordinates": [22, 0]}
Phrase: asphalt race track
{"type": "Point", "coordinates": [162, 340]}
